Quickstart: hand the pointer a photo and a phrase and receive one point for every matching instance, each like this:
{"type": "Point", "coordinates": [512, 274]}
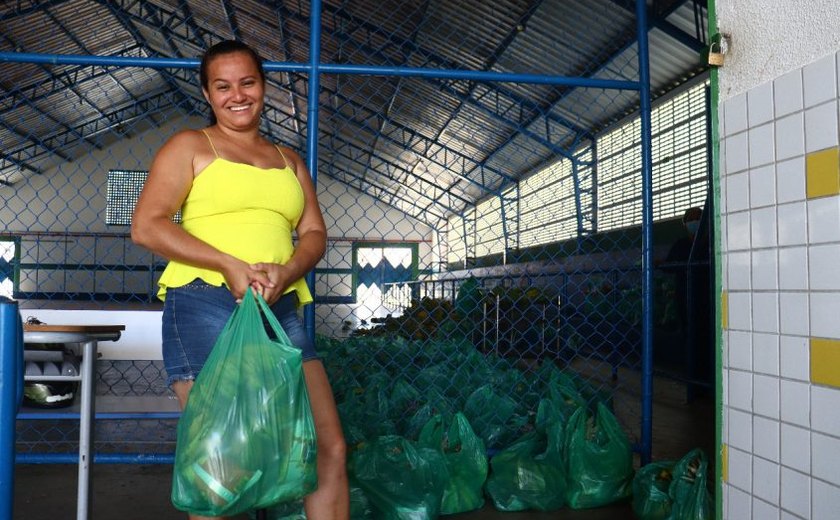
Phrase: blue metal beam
{"type": "Point", "coordinates": [328, 68]}
{"type": "Point", "coordinates": [446, 158]}
{"type": "Point", "coordinates": [659, 20]}
{"type": "Point", "coordinates": [4, 158]}
{"type": "Point", "coordinates": [227, 9]}
{"type": "Point", "coordinates": [440, 61]}
{"type": "Point", "coordinates": [491, 62]}
{"type": "Point", "coordinates": [67, 86]}
{"type": "Point", "coordinates": [19, 154]}
{"type": "Point", "coordinates": [398, 87]}
{"type": "Point", "coordinates": [49, 86]}
{"type": "Point", "coordinates": [313, 105]}
{"type": "Point", "coordinates": [82, 46]}
{"type": "Point", "coordinates": [125, 21]}
{"type": "Point", "coordinates": [647, 234]}
{"type": "Point", "coordinates": [340, 68]}
{"type": "Point", "coordinates": [35, 7]}
{"type": "Point", "coordinates": [133, 111]}
{"type": "Point", "coordinates": [290, 86]}
{"type": "Point", "coordinates": [515, 126]}
{"type": "Point", "coordinates": [189, 20]}
{"type": "Point", "coordinates": [364, 156]}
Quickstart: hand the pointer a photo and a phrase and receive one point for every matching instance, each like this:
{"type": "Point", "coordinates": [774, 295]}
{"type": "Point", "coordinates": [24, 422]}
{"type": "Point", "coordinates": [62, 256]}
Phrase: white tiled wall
{"type": "Point", "coordinates": [781, 282]}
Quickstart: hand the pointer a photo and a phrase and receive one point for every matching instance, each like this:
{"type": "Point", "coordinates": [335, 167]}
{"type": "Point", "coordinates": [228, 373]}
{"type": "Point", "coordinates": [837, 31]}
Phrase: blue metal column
{"type": "Point", "coordinates": [647, 235]}
{"type": "Point", "coordinates": [312, 133]}
{"type": "Point", "coordinates": [11, 392]}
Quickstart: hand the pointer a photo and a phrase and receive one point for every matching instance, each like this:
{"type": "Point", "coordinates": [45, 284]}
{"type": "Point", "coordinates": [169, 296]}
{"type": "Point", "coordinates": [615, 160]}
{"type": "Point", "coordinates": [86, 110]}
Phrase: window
{"type": "Point", "coordinates": [124, 187]}
{"type": "Point", "coordinates": [382, 274]}
{"type": "Point", "coordinates": [547, 209]}
{"type": "Point", "coordinates": [9, 260]}
{"type": "Point", "coordinates": [680, 163]}
{"type": "Point", "coordinates": [491, 224]}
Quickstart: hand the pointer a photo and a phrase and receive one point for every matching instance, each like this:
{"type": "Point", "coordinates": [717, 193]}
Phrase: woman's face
{"type": "Point", "coordinates": [235, 90]}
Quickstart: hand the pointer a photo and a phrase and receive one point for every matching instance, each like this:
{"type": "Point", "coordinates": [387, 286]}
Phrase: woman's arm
{"type": "Point", "coordinates": [167, 186]}
{"type": "Point", "coordinates": [311, 239]}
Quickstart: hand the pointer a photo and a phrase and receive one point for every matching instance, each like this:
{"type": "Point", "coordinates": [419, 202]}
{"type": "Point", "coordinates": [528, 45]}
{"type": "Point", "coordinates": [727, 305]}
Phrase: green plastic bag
{"type": "Point", "coordinates": [651, 500]}
{"type": "Point", "coordinates": [468, 299]}
{"type": "Point", "coordinates": [402, 481]}
{"type": "Point", "coordinates": [465, 458]}
{"type": "Point", "coordinates": [246, 439]}
{"type": "Point", "coordinates": [600, 463]}
{"type": "Point", "coordinates": [489, 414]}
{"type": "Point", "coordinates": [359, 504]}
{"type": "Point", "coordinates": [689, 491]}
{"type": "Point", "coordinates": [529, 473]}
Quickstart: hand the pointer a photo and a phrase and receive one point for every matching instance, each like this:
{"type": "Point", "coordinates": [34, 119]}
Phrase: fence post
{"type": "Point", "coordinates": [11, 389]}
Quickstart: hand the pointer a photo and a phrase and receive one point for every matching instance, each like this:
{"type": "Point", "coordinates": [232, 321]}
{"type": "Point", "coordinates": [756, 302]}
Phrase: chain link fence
{"type": "Point", "coordinates": [485, 232]}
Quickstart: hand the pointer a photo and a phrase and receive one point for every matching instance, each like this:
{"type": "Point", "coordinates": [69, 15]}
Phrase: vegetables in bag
{"type": "Point", "coordinates": [529, 474]}
{"type": "Point", "coordinates": [599, 460]}
{"type": "Point", "coordinates": [650, 491]}
{"type": "Point", "coordinates": [465, 458]}
{"type": "Point", "coordinates": [246, 439]}
{"type": "Point", "coordinates": [689, 491]}
{"type": "Point", "coordinates": [402, 481]}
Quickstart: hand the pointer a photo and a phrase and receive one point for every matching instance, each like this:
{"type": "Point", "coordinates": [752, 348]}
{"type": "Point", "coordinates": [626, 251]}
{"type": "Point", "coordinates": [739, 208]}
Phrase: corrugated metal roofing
{"type": "Point", "coordinates": [430, 147]}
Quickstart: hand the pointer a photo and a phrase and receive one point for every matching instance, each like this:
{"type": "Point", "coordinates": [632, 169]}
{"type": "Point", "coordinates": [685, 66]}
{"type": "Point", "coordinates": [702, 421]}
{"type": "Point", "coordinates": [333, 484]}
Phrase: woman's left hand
{"type": "Point", "coordinates": [278, 274]}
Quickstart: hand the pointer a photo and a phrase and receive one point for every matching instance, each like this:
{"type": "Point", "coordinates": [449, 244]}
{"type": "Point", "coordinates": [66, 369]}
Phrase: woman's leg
{"type": "Point", "coordinates": [331, 501]}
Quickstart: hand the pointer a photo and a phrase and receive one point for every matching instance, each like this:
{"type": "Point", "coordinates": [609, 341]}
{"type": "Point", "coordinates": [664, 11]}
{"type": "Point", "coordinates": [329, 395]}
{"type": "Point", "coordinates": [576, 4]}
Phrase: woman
{"type": "Point", "coordinates": [240, 197]}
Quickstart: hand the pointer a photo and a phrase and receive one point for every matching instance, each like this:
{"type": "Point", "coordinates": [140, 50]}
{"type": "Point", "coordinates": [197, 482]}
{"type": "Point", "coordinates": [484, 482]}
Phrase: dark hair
{"type": "Point", "coordinates": [220, 49]}
{"type": "Point", "coordinates": [692, 214]}
{"type": "Point", "coordinates": [227, 47]}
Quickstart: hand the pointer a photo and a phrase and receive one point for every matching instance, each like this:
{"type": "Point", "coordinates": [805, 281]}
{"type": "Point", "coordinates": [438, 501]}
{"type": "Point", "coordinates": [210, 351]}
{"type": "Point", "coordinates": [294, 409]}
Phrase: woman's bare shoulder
{"type": "Point", "coordinates": [188, 145]}
{"type": "Point", "coordinates": [188, 139]}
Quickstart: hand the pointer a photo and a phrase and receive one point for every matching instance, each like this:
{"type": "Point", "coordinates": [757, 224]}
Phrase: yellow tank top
{"type": "Point", "coordinates": [245, 211]}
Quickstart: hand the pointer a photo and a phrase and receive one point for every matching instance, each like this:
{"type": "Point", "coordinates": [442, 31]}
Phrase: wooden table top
{"type": "Point", "coordinates": [88, 329]}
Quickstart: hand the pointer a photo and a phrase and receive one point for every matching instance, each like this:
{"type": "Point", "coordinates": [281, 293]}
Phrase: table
{"type": "Point", "coordinates": [88, 336]}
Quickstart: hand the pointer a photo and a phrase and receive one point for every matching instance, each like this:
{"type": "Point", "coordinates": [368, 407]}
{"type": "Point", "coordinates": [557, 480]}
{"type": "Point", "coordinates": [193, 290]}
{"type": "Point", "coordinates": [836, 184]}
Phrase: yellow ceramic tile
{"type": "Point", "coordinates": [825, 361]}
{"type": "Point", "coordinates": [822, 173]}
{"type": "Point", "coordinates": [724, 309]}
{"type": "Point", "coordinates": [724, 462]}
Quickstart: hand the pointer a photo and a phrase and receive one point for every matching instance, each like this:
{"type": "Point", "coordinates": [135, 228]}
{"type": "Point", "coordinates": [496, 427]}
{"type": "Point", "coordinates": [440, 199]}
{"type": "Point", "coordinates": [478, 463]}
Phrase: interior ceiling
{"type": "Point", "coordinates": [428, 147]}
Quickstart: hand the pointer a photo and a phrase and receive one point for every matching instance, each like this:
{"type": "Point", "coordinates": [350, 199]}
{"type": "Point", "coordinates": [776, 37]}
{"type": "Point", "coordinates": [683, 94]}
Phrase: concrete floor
{"type": "Point", "coordinates": [135, 492]}
{"type": "Point", "coordinates": [142, 493]}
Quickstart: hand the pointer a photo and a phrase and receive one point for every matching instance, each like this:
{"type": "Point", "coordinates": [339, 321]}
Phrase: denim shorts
{"type": "Point", "coordinates": [194, 316]}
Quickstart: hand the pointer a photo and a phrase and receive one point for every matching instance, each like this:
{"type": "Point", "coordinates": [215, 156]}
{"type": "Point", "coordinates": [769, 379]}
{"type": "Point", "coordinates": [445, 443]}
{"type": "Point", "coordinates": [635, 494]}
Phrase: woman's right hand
{"type": "Point", "coordinates": [240, 275]}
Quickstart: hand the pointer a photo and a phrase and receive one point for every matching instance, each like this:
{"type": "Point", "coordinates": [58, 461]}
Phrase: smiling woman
{"type": "Point", "coordinates": [230, 90]}
{"type": "Point", "coordinates": [241, 197]}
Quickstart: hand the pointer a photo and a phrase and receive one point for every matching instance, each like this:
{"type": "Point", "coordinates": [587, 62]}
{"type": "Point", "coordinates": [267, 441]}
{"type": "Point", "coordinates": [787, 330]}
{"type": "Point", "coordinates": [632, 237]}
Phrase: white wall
{"type": "Point", "coordinates": [772, 37]}
{"type": "Point", "coordinates": [141, 339]}
{"type": "Point", "coordinates": [780, 246]}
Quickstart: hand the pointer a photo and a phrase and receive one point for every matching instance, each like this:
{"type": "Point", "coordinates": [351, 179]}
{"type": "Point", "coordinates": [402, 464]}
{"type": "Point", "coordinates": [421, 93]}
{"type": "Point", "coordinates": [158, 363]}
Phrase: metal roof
{"type": "Point", "coordinates": [429, 147]}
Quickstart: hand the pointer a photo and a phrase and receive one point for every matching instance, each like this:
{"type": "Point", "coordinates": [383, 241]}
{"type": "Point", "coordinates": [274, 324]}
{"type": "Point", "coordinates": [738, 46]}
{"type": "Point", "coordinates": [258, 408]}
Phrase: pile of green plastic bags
{"type": "Point", "coordinates": [420, 419]}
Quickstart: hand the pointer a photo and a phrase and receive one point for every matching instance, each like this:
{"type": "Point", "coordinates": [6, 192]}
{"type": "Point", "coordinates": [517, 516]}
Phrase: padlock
{"type": "Point", "coordinates": [715, 56]}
